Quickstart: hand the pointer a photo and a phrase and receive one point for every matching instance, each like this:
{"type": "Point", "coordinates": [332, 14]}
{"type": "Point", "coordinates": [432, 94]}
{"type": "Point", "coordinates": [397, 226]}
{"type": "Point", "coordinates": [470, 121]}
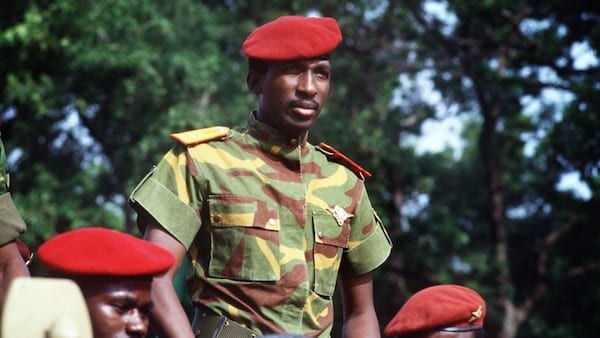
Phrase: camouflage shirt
{"type": "Point", "coordinates": [11, 223]}
{"type": "Point", "coordinates": [268, 223]}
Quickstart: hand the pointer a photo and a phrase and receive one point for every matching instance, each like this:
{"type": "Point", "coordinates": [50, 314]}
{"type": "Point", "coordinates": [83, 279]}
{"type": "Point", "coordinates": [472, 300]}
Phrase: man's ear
{"type": "Point", "coordinates": [253, 80]}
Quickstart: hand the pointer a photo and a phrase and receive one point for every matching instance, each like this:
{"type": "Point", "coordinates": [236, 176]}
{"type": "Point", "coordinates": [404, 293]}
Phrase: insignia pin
{"type": "Point", "coordinates": [339, 214]}
{"type": "Point", "coordinates": [476, 314]}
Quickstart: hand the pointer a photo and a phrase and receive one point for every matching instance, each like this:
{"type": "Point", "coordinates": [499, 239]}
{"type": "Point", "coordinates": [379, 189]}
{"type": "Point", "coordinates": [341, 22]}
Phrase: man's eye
{"type": "Point", "coordinates": [291, 69]}
{"type": "Point", "coordinates": [145, 310]}
{"type": "Point", "coordinates": [323, 74]}
{"type": "Point", "coordinates": [121, 308]}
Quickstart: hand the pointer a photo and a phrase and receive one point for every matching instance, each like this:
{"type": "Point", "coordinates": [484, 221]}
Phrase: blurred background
{"type": "Point", "coordinates": [480, 121]}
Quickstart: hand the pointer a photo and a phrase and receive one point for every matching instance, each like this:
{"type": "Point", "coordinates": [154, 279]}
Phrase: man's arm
{"type": "Point", "coordinates": [12, 265]}
{"type": "Point", "coordinates": [360, 319]}
{"type": "Point", "coordinates": [167, 317]}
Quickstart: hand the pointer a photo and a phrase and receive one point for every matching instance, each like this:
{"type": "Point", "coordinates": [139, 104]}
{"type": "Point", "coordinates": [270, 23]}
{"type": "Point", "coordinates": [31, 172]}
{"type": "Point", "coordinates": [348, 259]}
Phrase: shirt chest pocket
{"type": "Point", "coordinates": [329, 242]}
{"type": "Point", "coordinates": [244, 239]}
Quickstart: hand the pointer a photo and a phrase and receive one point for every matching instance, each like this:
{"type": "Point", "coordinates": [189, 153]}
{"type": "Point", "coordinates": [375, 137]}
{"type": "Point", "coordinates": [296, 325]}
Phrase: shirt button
{"type": "Point", "coordinates": [216, 218]}
{"type": "Point", "coordinates": [320, 234]}
{"type": "Point", "coordinates": [271, 221]}
{"type": "Point", "coordinates": [293, 142]}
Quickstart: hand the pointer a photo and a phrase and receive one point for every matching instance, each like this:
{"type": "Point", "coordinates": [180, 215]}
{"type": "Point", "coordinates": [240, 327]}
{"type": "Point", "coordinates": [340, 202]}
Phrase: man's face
{"type": "Point", "coordinates": [291, 94]}
{"type": "Point", "coordinates": [118, 308]}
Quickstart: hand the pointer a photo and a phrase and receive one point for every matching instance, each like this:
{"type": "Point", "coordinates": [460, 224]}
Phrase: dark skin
{"type": "Point", "coordinates": [291, 94]}
{"type": "Point", "coordinates": [290, 97]}
{"type": "Point", "coordinates": [12, 265]}
{"type": "Point", "coordinates": [168, 317]}
{"type": "Point", "coordinates": [118, 307]}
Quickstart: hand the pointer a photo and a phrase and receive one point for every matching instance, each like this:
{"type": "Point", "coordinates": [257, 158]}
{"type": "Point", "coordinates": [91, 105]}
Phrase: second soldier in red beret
{"type": "Point", "coordinates": [269, 221]}
{"type": "Point", "coordinates": [114, 271]}
{"type": "Point", "coordinates": [441, 311]}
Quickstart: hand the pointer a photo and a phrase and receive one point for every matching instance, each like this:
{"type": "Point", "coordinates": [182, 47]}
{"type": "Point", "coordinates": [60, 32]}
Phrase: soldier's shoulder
{"type": "Point", "coordinates": [335, 155]}
{"type": "Point", "coordinates": [201, 135]}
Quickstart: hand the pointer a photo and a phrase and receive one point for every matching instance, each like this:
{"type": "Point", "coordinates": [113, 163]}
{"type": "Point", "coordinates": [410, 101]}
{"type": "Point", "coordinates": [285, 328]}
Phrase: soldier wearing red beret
{"type": "Point", "coordinates": [269, 221]}
{"type": "Point", "coordinates": [440, 311]}
{"type": "Point", "coordinates": [114, 271]}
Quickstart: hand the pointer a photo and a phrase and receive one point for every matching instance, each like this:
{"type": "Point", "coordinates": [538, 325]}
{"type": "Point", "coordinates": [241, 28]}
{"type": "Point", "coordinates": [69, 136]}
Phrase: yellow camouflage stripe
{"type": "Point", "coordinates": [337, 179]}
{"type": "Point", "coordinates": [289, 254]}
{"type": "Point", "coordinates": [323, 262]}
{"type": "Point", "coordinates": [239, 219]}
{"type": "Point", "coordinates": [308, 309]}
{"type": "Point", "coordinates": [269, 255]}
{"type": "Point", "coordinates": [175, 162]}
{"type": "Point", "coordinates": [226, 161]}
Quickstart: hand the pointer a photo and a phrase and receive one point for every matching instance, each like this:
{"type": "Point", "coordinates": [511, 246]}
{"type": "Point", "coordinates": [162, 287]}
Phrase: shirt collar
{"type": "Point", "coordinates": [272, 135]}
{"type": "Point", "coordinates": [274, 141]}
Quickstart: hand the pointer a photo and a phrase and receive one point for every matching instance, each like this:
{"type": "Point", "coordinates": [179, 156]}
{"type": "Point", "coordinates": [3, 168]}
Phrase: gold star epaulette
{"type": "Point", "coordinates": [334, 155]}
{"type": "Point", "coordinates": [202, 135]}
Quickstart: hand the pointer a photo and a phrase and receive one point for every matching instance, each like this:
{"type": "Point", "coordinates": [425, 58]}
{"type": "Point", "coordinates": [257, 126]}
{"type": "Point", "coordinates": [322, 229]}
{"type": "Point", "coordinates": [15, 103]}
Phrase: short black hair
{"type": "Point", "coordinates": [260, 66]}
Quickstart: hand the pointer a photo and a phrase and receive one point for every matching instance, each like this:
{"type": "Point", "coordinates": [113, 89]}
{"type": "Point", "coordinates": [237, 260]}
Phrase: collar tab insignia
{"type": "Point", "coordinates": [336, 156]}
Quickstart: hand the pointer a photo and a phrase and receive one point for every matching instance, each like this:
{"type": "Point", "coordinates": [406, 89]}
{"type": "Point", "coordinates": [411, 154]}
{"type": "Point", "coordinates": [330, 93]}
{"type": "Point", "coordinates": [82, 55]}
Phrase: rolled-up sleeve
{"type": "Point", "coordinates": [369, 244]}
{"type": "Point", "coordinates": [167, 196]}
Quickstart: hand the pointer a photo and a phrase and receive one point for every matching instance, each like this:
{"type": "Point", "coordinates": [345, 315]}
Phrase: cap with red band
{"type": "Point", "coordinates": [293, 37]}
{"type": "Point", "coordinates": [439, 307]}
{"type": "Point", "coordinates": [103, 251]}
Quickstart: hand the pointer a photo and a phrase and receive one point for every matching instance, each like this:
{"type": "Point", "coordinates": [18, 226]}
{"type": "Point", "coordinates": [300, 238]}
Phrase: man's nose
{"type": "Point", "coordinates": [137, 324]}
{"type": "Point", "coordinates": [307, 84]}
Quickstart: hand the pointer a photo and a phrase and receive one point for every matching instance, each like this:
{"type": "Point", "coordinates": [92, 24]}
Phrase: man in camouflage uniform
{"type": "Point", "coordinates": [268, 220]}
{"type": "Point", "coordinates": [11, 226]}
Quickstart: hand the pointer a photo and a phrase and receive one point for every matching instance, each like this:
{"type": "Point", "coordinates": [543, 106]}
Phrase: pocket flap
{"type": "Point", "coordinates": [327, 231]}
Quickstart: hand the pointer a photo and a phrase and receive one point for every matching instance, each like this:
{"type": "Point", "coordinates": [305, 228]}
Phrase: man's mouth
{"type": "Point", "coordinates": [305, 107]}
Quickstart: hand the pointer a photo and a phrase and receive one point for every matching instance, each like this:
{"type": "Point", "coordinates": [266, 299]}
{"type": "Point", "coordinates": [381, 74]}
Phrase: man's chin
{"type": "Point", "coordinates": [297, 129]}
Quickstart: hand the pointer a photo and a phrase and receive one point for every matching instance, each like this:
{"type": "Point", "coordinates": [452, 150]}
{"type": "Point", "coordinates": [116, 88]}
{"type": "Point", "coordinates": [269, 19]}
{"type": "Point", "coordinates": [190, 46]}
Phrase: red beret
{"type": "Point", "coordinates": [439, 306]}
{"type": "Point", "coordinates": [102, 251]}
{"type": "Point", "coordinates": [293, 37]}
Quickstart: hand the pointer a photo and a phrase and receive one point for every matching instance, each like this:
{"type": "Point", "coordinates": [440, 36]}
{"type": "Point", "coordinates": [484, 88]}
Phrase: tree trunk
{"type": "Point", "coordinates": [493, 173]}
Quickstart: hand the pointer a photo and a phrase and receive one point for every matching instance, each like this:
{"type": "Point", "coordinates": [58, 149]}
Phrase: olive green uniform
{"type": "Point", "coordinates": [11, 223]}
{"type": "Point", "coordinates": [268, 222]}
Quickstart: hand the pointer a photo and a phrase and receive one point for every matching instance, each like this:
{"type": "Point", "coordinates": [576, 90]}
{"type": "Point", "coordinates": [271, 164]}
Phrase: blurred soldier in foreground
{"type": "Point", "coordinates": [40, 307]}
{"type": "Point", "coordinates": [12, 225]}
{"type": "Point", "coordinates": [114, 271]}
{"type": "Point", "coordinates": [441, 311]}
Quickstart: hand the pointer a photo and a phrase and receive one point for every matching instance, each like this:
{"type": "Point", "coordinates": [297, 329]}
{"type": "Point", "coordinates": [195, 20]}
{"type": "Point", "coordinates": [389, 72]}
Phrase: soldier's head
{"type": "Point", "coordinates": [114, 271]}
{"type": "Point", "coordinates": [290, 70]}
{"type": "Point", "coordinates": [440, 311]}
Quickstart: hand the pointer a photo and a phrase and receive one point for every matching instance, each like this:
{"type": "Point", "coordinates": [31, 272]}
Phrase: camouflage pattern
{"type": "Point", "coordinates": [11, 223]}
{"type": "Point", "coordinates": [268, 223]}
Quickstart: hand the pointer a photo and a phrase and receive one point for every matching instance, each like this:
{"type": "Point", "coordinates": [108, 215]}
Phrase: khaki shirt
{"type": "Point", "coordinates": [11, 223]}
{"type": "Point", "coordinates": [269, 223]}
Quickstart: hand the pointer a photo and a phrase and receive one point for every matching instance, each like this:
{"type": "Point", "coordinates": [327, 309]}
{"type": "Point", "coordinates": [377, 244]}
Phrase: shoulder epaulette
{"type": "Point", "coordinates": [334, 155]}
{"type": "Point", "coordinates": [202, 135]}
